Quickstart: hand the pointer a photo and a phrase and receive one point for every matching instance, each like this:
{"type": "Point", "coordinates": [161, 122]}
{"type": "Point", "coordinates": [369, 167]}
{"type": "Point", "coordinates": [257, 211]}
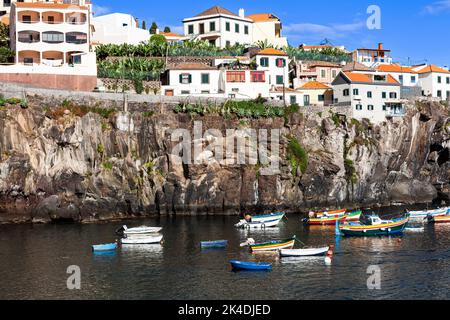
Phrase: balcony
{"type": "Point", "coordinates": [29, 36]}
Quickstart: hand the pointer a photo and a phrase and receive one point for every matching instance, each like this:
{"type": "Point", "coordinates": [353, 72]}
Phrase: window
{"type": "Point", "coordinates": [202, 28]}
{"type": "Point", "coordinates": [76, 37]}
{"type": "Point", "coordinates": [228, 44]}
{"type": "Point", "coordinates": [236, 28]}
{"type": "Point", "coordinates": [393, 95]}
{"type": "Point", "coordinates": [370, 107]}
{"type": "Point", "coordinates": [439, 79]}
{"type": "Point", "coordinates": [439, 93]}
{"type": "Point", "coordinates": [205, 78]}
{"type": "Point", "coordinates": [413, 79]}
{"type": "Point", "coordinates": [257, 76]}
{"type": "Point", "coordinates": [355, 92]}
{"type": "Point", "coordinates": [264, 62]}
{"type": "Point", "coordinates": [227, 26]}
{"type": "Point", "coordinates": [53, 37]}
{"type": "Point", "coordinates": [185, 78]}
{"type": "Point", "coordinates": [383, 95]}
{"type": "Point", "coordinates": [235, 89]}
{"type": "Point", "coordinates": [51, 20]}
{"type": "Point", "coordinates": [306, 100]}
{"type": "Point", "coordinates": [323, 73]}
{"type": "Point", "coordinates": [280, 80]}
{"type": "Point", "coordinates": [359, 107]}
{"type": "Point", "coordinates": [448, 80]}
{"type": "Point", "coordinates": [205, 92]}
{"type": "Point", "coordinates": [212, 26]}
{"type": "Point", "coordinates": [246, 29]}
{"type": "Point", "coordinates": [346, 92]}
{"type": "Point", "coordinates": [369, 94]}
{"type": "Point", "coordinates": [321, 97]}
{"type": "Point", "coordinates": [334, 74]}
{"type": "Point", "coordinates": [400, 79]}
{"type": "Point", "coordinates": [124, 24]}
{"type": "Point", "coordinates": [448, 95]}
{"type": "Point", "coordinates": [293, 99]}
{"type": "Point", "coordinates": [191, 29]}
{"type": "Point", "coordinates": [236, 76]}
{"type": "Point", "coordinates": [28, 60]}
{"type": "Point", "coordinates": [26, 19]}
{"type": "Point", "coordinates": [384, 108]}
{"type": "Point", "coordinates": [76, 59]}
{"type": "Point", "coordinates": [281, 63]}
{"type": "Point", "coordinates": [231, 96]}
{"type": "Point", "coordinates": [185, 92]}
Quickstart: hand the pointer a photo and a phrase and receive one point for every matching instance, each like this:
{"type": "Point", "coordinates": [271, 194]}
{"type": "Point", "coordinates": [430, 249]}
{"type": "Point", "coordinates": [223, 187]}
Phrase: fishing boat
{"type": "Point", "coordinates": [250, 266]}
{"type": "Point", "coordinates": [353, 215]}
{"type": "Point", "coordinates": [334, 213]}
{"type": "Point", "coordinates": [424, 214]}
{"type": "Point", "coordinates": [105, 247]}
{"type": "Point", "coordinates": [440, 219]}
{"type": "Point", "coordinates": [306, 252]}
{"type": "Point", "coordinates": [330, 218]}
{"type": "Point", "coordinates": [413, 228]}
{"type": "Point", "coordinates": [324, 220]}
{"type": "Point", "coordinates": [139, 230]}
{"type": "Point", "coordinates": [261, 221]}
{"type": "Point", "coordinates": [373, 225]}
{"type": "Point", "coordinates": [273, 245]}
{"type": "Point", "coordinates": [214, 244]}
{"type": "Point", "coordinates": [142, 239]}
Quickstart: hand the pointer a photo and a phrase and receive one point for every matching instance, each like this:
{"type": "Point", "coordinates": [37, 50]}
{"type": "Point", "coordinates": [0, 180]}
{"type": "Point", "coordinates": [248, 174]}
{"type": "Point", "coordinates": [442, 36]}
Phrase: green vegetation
{"type": "Point", "coordinates": [136, 69]}
{"type": "Point", "coordinates": [77, 110]}
{"type": "Point", "coordinates": [6, 54]}
{"type": "Point", "coordinates": [297, 156]}
{"type": "Point", "coordinates": [350, 171]}
{"type": "Point", "coordinates": [148, 114]}
{"type": "Point", "coordinates": [107, 165]}
{"type": "Point", "coordinates": [153, 28]}
{"type": "Point", "coordinates": [13, 102]}
{"type": "Point", "coordinates": [241, 109]}
{"type": "Point", "coordinates": [100, 149]}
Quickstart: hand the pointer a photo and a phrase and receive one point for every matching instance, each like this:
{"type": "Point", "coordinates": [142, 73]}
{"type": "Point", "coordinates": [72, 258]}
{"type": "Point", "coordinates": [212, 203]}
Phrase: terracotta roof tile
{"type": "Point", "coordinates": [216, 10]}
{"type": "Point", "coordinates": [395, 68]}
{"type": "Point", "coordinates": [190, 66]}
{"type": "Point", "coordinates": [314, 85]}
{"type": "Point", "coordinates": [271, 52]}
{"type": "Point", "coordinates": [280, 89]}
{"type": "Point", "coordinates": [262, 17]}
{"type": "Point", "coordinates": [49, 5]}
{"type": "Point", "coordinates": [312, 64]}
{"type": "Point", "coordinates": [430, 68]}
{"type": "Point", "coordinates": [368, 78]}
{"type": "Point", "coordinates": [356, 66]}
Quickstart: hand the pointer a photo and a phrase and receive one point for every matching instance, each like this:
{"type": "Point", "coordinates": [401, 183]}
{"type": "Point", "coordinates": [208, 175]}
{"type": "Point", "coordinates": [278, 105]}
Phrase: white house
{"type": "Point", "coordinates": [51, 41]}
{"type": "Point", "coordinates": [372, 57]}
{"type": "Point", "coordinates": [118, 28]}
{"type": "Point", "coordinates": [267, 27]}
{"type": "Point", "coordinates": [370, 96]}
{"type": "Point", "coordinates": [223, 28]}
{"type": "Point", "coordinates": [220, 27]}
{"type": "Point", "coordinates": [276, 64]}
{"type": "Point", "coordinates": [408, 78]}
{"type": "Point", "coordinates": [435, 81]}
{"type": "Point", "coordinates": [5, 5]}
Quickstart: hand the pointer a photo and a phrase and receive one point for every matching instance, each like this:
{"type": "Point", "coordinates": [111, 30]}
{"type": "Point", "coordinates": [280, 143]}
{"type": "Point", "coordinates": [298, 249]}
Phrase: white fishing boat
{"type": "Point", "coordinates": [140, 230]}
{"type": "Point", "coordinates": [424, 214]}
{"type": "Point", "coordinates": [142, 239]}
{"type": "Point", "coordinates": [261, 222]}
{"type": "Point", "coordinates": [307, 252]}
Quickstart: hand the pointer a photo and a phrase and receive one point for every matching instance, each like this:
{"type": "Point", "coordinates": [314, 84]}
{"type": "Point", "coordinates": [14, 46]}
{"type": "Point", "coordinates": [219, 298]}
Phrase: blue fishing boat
{"type": "Point", "coordinates": [250, 266]}
{"type": "Point", "coordinates": [105, 247]}
{"type": "Point", "coordinates": [214, 244]}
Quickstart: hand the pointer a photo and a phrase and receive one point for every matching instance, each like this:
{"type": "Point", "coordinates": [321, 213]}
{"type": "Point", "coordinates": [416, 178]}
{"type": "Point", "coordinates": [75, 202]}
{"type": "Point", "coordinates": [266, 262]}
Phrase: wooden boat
{"type": "Point", "coordinates": [214, 244]}
{"type": "Point", "coordinates": [374, 226]}
{"type": "Point", "coordinates": [331, 218]}
{"type": "Point", "coordinates": [424, 214]}
{"type": "Point", "coordinates": [273, 245]}
{"type": "Point", "coordinates": [141, 230]}
{"type": "Point", "coordinates": [334, 213]}
{"type": "Point", "coordinates": [307, 252]}
{"type": "Point", "coordinates": [353, 215]}
{"type": "Point", "coordinates": [143, 239]}
{"type": "Point", "coordinates": [262, 221]}
{"type": "Point", "coordinates": [250, 266]}
{"type": "Point", "coordinates": [440, 219]}
{"type": "Point", "coordinates": [410, 228]}
{"type": "Point", "coordinates": [324, 220]}
{"type": "Point", "coordinates": [105, 247]}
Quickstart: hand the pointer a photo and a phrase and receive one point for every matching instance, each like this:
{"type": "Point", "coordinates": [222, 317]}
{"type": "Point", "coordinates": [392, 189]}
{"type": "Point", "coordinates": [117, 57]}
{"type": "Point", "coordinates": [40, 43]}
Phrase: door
{"type": "Point", "coordinates": [202, 28]}
{"type": "Point", "coordinates": [306, 100]}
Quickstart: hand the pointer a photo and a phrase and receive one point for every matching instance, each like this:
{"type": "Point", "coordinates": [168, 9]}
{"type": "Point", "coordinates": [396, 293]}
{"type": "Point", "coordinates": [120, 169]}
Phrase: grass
{"type": "Point", "coordinates": [297, 156]}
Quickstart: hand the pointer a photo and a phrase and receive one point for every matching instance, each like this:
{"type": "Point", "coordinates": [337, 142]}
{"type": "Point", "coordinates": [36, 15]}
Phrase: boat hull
{"type": "Point", "coordinates": [214, 244]}
{"type": "Point", "coordinates": [142, 240]}
{"type": "Point", "coordinates": [396, 227]}
{"type": "Point", "coordinates": [142, 230]}
{"type": "Point", "coordinates": [250, 266]}
{"type": "Point", "coordinates": [105, 247]}
{"type": "Point", "coordinates": [261, 222]}
{"type": "Point", "coordinates": [331, 220]}
{"type": "Point", "coordinates": [441, 219]}
{"type": "Point", "coordinates": [304, 252]}
{"type": "Point", "coordinates": [273, 246]}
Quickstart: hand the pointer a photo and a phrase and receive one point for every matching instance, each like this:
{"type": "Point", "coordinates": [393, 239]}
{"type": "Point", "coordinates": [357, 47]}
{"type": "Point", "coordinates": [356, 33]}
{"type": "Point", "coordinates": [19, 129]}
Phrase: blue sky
{"type": "Point", "coordinates": [417, 30]}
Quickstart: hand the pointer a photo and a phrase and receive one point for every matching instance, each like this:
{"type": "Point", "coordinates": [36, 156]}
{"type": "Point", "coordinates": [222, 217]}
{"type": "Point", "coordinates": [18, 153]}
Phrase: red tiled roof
{"type": "Point", "coordinates": [368, 78]}
{"type": "Point", "coordinates": [431, 68]}
{"type": "Point", "coordinates": [190, 66]}
{"type": "Point", "coordinates": [314, 85]}
{"type": "Point", "coordinates": [395, 68]}
{"type": "Point", "coordinates": [216, 10]}
{"type": "Point", "coordinates": [262, 17]}
{"type": "Point", "coordinates": [271, 52]}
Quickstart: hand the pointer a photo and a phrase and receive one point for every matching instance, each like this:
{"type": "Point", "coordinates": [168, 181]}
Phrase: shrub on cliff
{"type": "Point", "coordinates": [297, 156]}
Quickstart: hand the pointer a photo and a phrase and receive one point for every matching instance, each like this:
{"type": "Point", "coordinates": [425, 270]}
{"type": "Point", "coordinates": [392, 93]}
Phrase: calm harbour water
{"type": "Point", "coordinates": [34, 260]}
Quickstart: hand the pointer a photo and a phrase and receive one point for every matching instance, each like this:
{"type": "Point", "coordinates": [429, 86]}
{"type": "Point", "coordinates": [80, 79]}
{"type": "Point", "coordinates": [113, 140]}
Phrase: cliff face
{"type": "Point", "coordinates": [70, 162]}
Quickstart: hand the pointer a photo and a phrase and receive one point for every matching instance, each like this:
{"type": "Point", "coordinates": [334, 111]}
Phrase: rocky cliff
{"type": "Point", "coordinates": [69, 161]}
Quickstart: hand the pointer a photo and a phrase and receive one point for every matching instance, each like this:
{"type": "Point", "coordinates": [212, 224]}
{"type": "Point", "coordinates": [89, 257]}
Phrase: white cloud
{"type": "Point", "coordinates": [437, 7]}
{"type": "Point", "coordinates": [99, 10]}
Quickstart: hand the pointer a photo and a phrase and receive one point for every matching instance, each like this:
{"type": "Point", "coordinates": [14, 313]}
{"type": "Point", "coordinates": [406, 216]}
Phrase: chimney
{"type": "Point", "coordinates": [380, 46]}
{"type": "Point", "coordinates": [242, 13]}
{"type": "Point", "coordinates": [137, 22]}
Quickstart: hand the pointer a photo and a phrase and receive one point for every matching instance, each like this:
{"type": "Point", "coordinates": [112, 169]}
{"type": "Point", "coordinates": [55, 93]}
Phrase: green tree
{"type": "Point", "coordinates": [4, 35]}
{"type": "Point", "coordinates": [144, 25]}
{"type": "Point", "coordinates": [153, 28]}
{"type": "Point", "coordinates": [167, 29]}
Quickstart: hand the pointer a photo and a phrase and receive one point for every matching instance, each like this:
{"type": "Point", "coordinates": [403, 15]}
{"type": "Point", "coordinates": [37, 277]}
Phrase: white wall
{"type": "Point", "coordinates": [430, 85]}
{"type": "Point", "coordinates": [118, 28]}
{"type": "Point", "coordinates": [266, 31]}
{"type": "Point", "coordinates": [272, 71]}
{"type": "Point", "coordinates": [195, 87]}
